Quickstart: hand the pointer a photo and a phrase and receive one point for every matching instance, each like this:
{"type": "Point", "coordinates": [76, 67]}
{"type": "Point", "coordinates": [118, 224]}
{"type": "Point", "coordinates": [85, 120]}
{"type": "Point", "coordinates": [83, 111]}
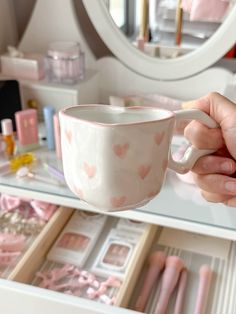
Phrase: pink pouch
{"type": "Point", "coordinates": [211, 10]}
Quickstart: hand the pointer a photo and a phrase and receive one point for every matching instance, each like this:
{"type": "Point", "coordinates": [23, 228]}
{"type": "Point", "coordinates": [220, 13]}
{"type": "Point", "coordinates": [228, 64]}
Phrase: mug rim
{"type": "Point", "coordinates": [63, 112]}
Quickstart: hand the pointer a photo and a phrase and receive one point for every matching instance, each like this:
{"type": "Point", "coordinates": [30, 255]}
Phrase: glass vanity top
{"type": "Point", "coordinates": [177, 199]}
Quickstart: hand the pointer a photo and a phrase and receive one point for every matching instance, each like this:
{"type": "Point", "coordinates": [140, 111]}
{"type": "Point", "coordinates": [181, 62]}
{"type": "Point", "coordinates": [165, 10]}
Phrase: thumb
{"type": "Point", "coordinates": [223, 111]}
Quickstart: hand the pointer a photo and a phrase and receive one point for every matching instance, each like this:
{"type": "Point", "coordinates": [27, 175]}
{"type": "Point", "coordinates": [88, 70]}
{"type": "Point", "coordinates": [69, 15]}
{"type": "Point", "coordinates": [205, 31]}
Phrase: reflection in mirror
{"type": "Point", "coordinates": [168, 28]}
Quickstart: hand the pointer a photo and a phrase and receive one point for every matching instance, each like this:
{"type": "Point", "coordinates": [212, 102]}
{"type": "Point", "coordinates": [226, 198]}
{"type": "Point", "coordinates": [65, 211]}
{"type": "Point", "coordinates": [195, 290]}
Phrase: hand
{"type": "Point", "coordinates": [214, 174]}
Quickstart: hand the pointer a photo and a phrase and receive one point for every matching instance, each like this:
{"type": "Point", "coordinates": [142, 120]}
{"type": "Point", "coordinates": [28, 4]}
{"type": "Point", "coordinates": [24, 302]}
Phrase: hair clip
{"type": "Point", "coordinates": [8, 258]}
{"type": "Point", "coordinates": [107, 300]}
{"type": "Point", "coordinates": [49, 278]}
{"type": "Point", "coordinates": [11, 242]}
{"type": "Point", "coordinates": [43, 210]}
{"type": "Point", "coordinates": [111, 282]}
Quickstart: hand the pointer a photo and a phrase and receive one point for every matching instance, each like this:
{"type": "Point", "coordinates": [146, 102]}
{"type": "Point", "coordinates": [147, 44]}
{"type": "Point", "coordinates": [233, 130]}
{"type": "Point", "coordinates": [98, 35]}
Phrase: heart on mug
{"type": "Point", "coordinates": [68, 135]}
{"type": "Point", "coordinates": [118, 201]}
{"type": "Point", "coordinates": [143, 171]}
{"type": "Point", "coordinates": [90, 170]}
{"type": "Point", "coordinates": [79, 192]}
{"type": "Point", "coordinates": [121, 149]}
{"type": "Point", "coordinates": [159, 137]}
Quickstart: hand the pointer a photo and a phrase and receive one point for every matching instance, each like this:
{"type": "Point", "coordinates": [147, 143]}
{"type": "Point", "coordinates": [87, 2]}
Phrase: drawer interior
{"type": "Point", "coordinates": [38, 262]}
{"type": "Point", "coordinates": [34, 234]}
{"type": "Point", "coordinates": [194, 249]}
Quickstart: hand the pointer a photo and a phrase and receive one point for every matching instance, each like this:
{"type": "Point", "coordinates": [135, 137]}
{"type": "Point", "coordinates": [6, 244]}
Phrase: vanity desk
{"type": "Point", "coordinates": [180, 221]}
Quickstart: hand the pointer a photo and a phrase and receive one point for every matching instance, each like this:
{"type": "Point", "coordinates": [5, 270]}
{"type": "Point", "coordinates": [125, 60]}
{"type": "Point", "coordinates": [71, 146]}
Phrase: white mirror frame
{"type": "Point", "coordinates": [163, 69]}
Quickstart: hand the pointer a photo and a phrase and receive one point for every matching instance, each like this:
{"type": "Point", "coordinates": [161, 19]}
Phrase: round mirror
{"type": "Point", "coordinates": [196, 60]}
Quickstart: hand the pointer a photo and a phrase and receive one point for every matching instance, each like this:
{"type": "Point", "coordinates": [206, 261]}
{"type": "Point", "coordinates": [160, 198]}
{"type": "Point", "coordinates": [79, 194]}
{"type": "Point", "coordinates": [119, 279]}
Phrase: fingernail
{"type": "Point", "coordinates": [230, 186]}
{"type": "Point", "coordinates": [226, 166]}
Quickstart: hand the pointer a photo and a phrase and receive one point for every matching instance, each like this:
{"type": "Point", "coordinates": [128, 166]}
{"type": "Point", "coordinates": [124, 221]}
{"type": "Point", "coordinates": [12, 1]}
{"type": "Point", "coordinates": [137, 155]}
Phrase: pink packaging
{"type": "Point", "coordinates": [27, 129]}
{"type": "Point", "coordinates": [30, 66]}
{"type": "Point", "coordinates": [57, 135]}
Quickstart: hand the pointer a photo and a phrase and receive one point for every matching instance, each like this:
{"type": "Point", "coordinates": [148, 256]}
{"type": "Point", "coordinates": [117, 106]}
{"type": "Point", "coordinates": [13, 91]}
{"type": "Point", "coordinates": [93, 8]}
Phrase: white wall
{"type": "Point", "coordinates": [8, 28]}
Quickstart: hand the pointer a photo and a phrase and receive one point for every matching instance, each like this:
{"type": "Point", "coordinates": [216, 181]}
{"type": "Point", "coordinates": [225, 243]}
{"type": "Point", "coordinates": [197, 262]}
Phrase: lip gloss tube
{"type": "Point", "coordinates": [205, 276]}
{"type": "Point", "coordinates": [156, 265]}
{"type": "Point", "coordinates": [174, 266]}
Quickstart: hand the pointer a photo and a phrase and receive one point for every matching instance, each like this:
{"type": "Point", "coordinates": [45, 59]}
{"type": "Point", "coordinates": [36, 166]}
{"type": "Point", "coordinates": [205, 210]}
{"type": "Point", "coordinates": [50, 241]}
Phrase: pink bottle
{"type": "Point", "coordinates": [57, 135]}
{"type": "Point", "coordinates": [27, 129]}
{"type": "Point", "coordinates": [156, 265]}
{"type": "Point", "coordinates": [173, 267]}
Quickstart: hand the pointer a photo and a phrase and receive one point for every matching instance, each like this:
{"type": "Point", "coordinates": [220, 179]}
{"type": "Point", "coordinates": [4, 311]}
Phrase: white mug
{"type": "Point", "coordinates": [116, 158]}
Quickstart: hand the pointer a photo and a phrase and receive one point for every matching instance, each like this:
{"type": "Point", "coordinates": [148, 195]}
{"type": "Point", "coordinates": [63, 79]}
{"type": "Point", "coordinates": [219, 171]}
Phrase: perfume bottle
{"type": "Point", "coordinates": [8, 137]}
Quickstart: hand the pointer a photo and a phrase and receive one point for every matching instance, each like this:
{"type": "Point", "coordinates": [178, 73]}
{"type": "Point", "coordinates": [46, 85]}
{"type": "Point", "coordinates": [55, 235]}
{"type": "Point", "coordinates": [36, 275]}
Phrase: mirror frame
{"type": "Point", "coordinates": [155, 68]}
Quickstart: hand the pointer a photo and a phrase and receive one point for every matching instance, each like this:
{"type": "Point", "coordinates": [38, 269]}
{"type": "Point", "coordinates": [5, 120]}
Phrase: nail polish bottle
{"type": "Point", "coordinates": [8, 137]}
{"type": "Point", "coordinates": [48, 113]}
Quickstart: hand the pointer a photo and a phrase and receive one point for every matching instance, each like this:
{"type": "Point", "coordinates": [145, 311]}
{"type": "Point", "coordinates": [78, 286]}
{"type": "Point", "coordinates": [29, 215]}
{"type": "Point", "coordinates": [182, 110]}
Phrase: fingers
{"type": "Point", "coordinates": [214, 104]}
{"type": "Point", "coordinates": [216, 183]}
{"type": "Point", "coordinates": [216, 198]}
{"type": "Point", "coordinates": [202, 137]}
{"type": "Point", "coordinates": [215, 164]}
{"type": "Point", "coordinates": [223, 111]}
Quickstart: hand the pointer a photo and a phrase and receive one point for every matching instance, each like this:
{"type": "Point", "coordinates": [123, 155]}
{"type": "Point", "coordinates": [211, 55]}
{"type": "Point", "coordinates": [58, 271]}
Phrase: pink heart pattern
{"type": "Point", "coordinates": [143, 171]}
{"type": "Point", "coordinates": [117, 201]}
{"type": "Point", "coordinates": [79, 192]}
{"type": "Point", "coordinates": [121, 149]}
{"type": "Point", "coordinates": [158, 137]}
{"type": "Point", "coordinates": [68, 135]}
{"type": "Point", "coordinates": [90, 170]}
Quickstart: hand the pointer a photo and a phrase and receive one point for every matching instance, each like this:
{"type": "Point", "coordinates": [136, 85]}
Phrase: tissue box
{"type": "Point", "coordinates": [31, 66]}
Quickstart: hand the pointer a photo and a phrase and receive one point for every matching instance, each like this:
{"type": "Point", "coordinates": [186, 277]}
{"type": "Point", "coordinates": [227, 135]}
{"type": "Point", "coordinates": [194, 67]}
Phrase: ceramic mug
{"type": "Point", "coordinates": [116, 158]}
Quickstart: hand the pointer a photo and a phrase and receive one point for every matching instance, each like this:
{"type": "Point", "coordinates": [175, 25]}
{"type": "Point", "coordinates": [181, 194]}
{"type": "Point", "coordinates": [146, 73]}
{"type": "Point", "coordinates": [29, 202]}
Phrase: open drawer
{"type": "Point", "coordinates": [32, 242]}
{"type": "Point", "coordinates": [194, 249]}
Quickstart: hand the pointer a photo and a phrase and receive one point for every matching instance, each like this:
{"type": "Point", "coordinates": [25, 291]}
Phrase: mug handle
{"type": "Point", "coordinates": [192, 154]}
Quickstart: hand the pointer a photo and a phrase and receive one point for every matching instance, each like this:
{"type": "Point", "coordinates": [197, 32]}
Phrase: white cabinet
{"type": "Point", "coordinates": [58, 96]}
{"type": "Point", "coordinates": [178, 206]}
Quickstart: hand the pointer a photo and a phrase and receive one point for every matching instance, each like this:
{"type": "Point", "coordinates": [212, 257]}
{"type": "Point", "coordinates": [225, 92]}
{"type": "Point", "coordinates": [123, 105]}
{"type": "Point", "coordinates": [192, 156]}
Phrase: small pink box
{"type": "Point", "coordinates": [31, 66]}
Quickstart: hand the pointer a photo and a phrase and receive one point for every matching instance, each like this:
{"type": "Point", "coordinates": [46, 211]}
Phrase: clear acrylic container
{"type": "Point", "coordinates": [65, 62]}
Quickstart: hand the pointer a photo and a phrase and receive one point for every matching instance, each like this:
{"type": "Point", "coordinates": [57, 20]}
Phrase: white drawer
{"type": "Point", "coordinates": [22, 298]}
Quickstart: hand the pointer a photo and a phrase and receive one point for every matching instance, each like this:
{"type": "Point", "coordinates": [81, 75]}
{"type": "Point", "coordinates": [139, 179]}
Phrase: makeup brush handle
{"type": "Point", "coordinates": [181, 291]}
{"type": "Point", "coordinates": [169, 281]}
{"type": "Point", "coordinates": [41, 178]}
{"type": "Point", "coordinates": [152, 275]}
{"type": "Point", "coordinates": [156, 264]}
{"type": "Point", "coordinates": [205, 275]}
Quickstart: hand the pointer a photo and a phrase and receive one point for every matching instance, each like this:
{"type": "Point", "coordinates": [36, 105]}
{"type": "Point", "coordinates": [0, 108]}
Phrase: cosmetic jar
{"type": "Point", "coordinates": [65, 62]}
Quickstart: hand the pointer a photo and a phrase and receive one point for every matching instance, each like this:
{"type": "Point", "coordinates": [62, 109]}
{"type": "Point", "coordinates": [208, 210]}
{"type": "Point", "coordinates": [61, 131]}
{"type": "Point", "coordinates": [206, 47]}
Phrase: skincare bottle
{"type": "Point", "coordinates": [8, 137]}
{"type": "Point", "coordinates": [48, 113]}
{"type": "Point", "coordinates": [27, 129]}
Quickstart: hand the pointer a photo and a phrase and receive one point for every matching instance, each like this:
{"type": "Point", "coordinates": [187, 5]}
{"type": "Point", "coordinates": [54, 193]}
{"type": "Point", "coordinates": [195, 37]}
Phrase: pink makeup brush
{"type": "Point", "coordinates": [173, 267]}
{"type": "Point", "coordinates": [205, 275]}
{"type": "Point", "coordinates": [181, 291]}
{"type": "Point", "coordinates": [156, 264]}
